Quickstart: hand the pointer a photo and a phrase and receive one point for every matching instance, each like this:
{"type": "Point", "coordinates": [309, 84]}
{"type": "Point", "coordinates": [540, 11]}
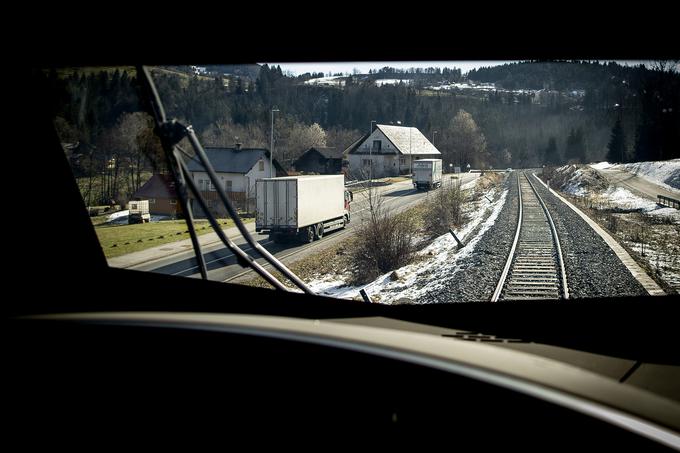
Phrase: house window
{"type": "Point", "coordinates": [366, 162]}
{"type": "Point", "coordinates": [377, 144]}
{"type": "Point", "coordinates": [173, 201]}
{"type": "Point", "coordinates": [402, 161]}
{"type": "Point", "coordinates": [261, 165]}
{"type": "Point", "coordinates": [227, 186]}
{"type": "Point", "coordinates": [210, 186]}
{"type": "Point", "coordinates": [152, 201]}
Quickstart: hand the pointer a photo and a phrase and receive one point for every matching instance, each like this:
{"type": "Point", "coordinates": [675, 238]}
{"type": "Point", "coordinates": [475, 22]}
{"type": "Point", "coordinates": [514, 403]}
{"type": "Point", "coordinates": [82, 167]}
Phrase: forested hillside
{"type": "Point", "coordinates": [535, 113]}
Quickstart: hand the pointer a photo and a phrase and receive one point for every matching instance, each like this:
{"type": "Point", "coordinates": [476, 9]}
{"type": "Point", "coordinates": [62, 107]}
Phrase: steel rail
{"type": "Point", "coordinates": [508, 263]}
{"type": "Point", "coordinates": [513, 254]}
{"type": "Point", "coordinates": [556, 241]}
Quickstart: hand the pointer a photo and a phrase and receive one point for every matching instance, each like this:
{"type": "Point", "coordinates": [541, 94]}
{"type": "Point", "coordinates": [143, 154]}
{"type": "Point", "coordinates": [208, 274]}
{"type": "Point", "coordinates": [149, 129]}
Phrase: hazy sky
{"type": "Point", "coordinates": [364, 66]}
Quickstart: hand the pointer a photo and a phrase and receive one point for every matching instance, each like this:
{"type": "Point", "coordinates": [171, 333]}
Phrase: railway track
{"type": "Point", "coordinates": [535, 268]}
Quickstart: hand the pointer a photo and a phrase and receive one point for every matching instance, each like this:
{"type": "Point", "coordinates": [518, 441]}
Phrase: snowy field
{"type": "Point", "coordinates": [327, 81]}
{"type": "Point", "coordinates": [477, 87]}
{"type": "Point", "coordinates": [381, 82]}
{"type": "Point", "coordinates": [437, 260]}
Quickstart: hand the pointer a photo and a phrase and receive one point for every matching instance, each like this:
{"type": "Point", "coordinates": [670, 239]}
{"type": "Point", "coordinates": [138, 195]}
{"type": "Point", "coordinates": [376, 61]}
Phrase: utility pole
{"type": "Point", "coordinates": [410, 151]}
{"type": "Point", "coordinates": [370, 155]}
{"type": "Point", "coordinates": [271, 151]}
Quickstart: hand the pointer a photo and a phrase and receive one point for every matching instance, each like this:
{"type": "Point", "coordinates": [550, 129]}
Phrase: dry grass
{"type": "Point", "coordinates": [651, 241]}
{"type": "Point", "coordinates": [331, 260]}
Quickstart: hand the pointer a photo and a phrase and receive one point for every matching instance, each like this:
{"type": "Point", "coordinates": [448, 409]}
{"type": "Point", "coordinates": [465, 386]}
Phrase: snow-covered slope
{"type": "Point", "coordinates": [665, 173]}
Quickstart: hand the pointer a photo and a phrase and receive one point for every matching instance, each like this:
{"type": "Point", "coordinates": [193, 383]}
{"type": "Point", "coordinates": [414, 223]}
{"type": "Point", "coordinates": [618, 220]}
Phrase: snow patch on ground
{"type": "Point", "coordinates": [575, 184]}
{"type": "Point", "coordinates": [485, 87]}
{"type": "Point", "coordinates": [666, 264]}
{"type": "Point", "coordinates": [121, 218]}
{"type": "Point", "coordinates": [328, 81]}
{"type": "Point", "coordinates": [601, 165]}
{"type": "Point", "coordinates": [381, 82]}
{"type": "Point", "coordinates": [116, 217]}
{"type": "Point", "coordinates": [438, 261]}
{"type": "Point", "coordinates": [625, 199]}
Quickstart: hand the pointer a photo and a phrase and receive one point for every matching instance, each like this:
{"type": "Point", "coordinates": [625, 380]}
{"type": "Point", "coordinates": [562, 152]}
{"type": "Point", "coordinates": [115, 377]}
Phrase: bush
{"type": "Point", "coordinates": [444, 209]}
{"type": "Point", "coordinates": [383, 243]}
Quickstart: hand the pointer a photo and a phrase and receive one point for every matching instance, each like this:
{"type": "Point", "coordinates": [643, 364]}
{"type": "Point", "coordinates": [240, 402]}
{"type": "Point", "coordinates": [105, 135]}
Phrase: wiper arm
{"type": "Point", "coordinates": [170, 134]}
{"type": "Point", "coordinates": [168, 142]}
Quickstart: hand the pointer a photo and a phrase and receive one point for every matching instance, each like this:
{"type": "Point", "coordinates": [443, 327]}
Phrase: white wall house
{"type": "Point", "coordinates": [388, 151]}
{"type": "Point", "coordinates": [237, 170]}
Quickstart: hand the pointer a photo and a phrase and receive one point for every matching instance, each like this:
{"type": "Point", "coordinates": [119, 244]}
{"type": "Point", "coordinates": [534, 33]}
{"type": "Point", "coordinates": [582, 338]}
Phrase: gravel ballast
{"type": "Point", "coordinates": [478, 274]}
{"type": "Point", "coordinates": [593, 269]}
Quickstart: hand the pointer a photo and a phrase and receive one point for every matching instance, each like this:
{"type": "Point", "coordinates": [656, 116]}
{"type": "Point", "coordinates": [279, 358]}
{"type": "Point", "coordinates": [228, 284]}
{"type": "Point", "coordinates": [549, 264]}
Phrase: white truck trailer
{"type": "Point", "coordinates": [304, 207]}
{"type": "Point", "coordinates": [427, 173]}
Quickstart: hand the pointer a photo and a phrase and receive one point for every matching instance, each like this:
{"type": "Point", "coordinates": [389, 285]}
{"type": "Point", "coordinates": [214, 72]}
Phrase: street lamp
{"type": "Point", "coordinates": [271, 152]}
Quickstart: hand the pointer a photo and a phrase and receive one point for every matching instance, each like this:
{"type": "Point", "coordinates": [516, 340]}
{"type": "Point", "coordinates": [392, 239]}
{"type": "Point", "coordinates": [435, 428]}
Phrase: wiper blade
{"type": "Point", "coordinates": [171, 133]}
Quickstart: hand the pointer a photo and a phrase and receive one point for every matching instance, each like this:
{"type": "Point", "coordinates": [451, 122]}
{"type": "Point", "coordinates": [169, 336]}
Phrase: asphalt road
{"type": "Point", "coordinates": [639, 186]}
{"type": "Point", "coordinates": [222, 265]}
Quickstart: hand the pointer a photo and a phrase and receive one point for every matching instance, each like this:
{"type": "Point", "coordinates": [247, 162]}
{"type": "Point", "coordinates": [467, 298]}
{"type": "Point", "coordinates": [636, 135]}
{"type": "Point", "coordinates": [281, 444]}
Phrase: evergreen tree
{"type": "Point", "coordinates": [616, 150]}
{"type": "Point", "coordinates": [575, 149]}
{"type": "Point", "coordinates": [551, 153]}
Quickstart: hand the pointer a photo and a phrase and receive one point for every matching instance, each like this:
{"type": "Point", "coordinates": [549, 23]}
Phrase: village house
{"type": "Point", "coordinates": [388, 150]}
{"type": "Point", "coordinates": [237, 169]}
{"type": "Point", "coordinates": [321, 160]}
{"type": "Point", "coordinates": [162, 196]}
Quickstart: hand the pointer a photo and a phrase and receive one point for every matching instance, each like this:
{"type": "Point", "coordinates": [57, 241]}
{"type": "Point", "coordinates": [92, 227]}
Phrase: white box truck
{"type": "Point", "coordinates": [304, 207]}
{"type": "Point", "coordinates": [427, 173]}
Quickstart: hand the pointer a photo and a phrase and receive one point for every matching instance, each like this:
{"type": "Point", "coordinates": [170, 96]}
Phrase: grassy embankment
{"type": "Point", "coordinates": [117, 240]}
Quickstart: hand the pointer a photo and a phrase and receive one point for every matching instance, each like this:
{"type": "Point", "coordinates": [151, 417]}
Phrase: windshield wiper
{"type": "Point", "coordinates": [171, 132]}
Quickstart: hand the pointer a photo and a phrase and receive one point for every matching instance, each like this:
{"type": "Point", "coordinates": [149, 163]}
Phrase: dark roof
{"type": "Point", "coordinates": [159, 186]}
{"type": "Point", "coordinates": [350, 149]}
{"type": "Point", "coordinates": [328, 153]}
{"type": "Point", "coordinates": [230, 160]}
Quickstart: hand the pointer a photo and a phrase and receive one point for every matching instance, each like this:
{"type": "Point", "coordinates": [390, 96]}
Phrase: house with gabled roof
{"type": "Point", "coordinates": [237, 169]}
{"type": "Point", "coordinates": [160, 191]}
{"type": "Point", "coordinates": [321, 160]}
{"type": "Point", "coordinates": [389, 151]}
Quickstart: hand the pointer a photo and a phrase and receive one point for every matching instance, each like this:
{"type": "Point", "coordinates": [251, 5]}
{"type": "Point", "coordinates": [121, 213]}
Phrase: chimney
{"type": "Point", "coordinates": [238, 146]}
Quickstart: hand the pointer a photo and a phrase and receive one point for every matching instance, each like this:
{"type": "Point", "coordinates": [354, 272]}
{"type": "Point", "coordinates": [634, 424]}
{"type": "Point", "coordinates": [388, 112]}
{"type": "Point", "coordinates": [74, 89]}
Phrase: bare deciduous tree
{"type": "Point", "coordinates": [384, 242]}
{"type": "Point", "coordinates": [444, 209]}
{"type": "Point", "coordinates": [464, 143]}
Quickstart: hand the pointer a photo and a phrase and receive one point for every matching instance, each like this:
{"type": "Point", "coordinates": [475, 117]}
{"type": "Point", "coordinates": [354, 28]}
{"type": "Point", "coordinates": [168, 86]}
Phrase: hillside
{"type": "Point", "coordinates": [526, 114]}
